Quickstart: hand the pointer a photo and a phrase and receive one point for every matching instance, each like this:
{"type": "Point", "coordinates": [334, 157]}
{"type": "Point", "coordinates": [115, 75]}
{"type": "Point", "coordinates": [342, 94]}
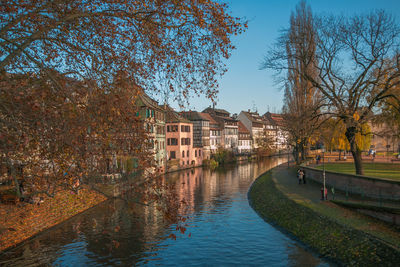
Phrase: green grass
{"type": "Point", "coordinates": [378, 170]}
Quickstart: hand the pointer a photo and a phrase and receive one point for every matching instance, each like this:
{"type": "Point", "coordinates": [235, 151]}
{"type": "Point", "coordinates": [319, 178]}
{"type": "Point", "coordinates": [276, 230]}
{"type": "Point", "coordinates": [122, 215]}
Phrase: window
{"type": "Point", "coordinates": [183, 163]}
{"type": "Point", "coordinates": [149, 128]}
{"type": "Point", "coordinates": [187, 162]}
{"type": "Point", "coordinates": [172, 128]}
{"type": "Point", "coordinates": [185, 141]}
{"type": "Point", "coordinates": [183, 154]}
{"type": "Point", "coordinates": [172, 155]}
{"type": "Point", "coordinates": [172, 141]}
{"type": "Point", "coordinates": [195, 153]}
{"type": "Point", "coordinates": [187, 154]}
{"type": "Point", "coordinates": [185, 128]}
{"type": "Point", "coordinates": [199, 153]}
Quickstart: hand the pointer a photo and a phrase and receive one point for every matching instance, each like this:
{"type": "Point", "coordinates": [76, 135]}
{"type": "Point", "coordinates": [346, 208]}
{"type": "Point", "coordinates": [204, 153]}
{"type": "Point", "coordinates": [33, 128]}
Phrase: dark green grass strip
{"type": "Point", "coordinates": [379, 170]}
{"type": "Point", "coordinates": [342, 244]}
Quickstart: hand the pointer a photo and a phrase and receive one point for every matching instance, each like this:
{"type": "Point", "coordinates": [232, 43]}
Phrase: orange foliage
{"type": "Point", "coordinates": [70, 72]}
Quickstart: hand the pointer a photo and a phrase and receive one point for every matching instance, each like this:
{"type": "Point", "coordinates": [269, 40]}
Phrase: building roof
{"type": "Point", "coordinates": [217, 112]}
{"type": "Point", "coordinates": [276, 119]}
{"type": "Point", "coordinates": [214, 125]}
{"type": "Point", "coordinates": [242, 128]}
{"type": "Point", "coordinates": [244, 134]}
{"type": "Point", "coordinates": [172, 116]}
{"type": "Point", "coordinates": [148, 101]}
{"type": "Point", "coordinates": [219, 115]}
{"type": "Point", "coordinates": [255, 118]}
{"type": "Point", "coordinates": [193, 116]}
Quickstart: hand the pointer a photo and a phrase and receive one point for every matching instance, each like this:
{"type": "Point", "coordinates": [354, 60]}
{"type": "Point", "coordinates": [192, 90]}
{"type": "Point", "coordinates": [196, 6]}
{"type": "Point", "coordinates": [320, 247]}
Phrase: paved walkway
{"type": "Point", "coordinates": [288, 181]}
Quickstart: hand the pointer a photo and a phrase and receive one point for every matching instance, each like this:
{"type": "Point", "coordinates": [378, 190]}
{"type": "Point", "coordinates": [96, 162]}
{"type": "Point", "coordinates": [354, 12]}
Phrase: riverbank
{"type": "Point", "coordinates": [334, 232]}
{"type": "Point", "coordinates": [22, 221]}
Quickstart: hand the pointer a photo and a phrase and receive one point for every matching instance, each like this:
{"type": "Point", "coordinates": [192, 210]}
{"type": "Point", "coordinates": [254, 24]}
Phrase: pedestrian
{"type": "Point", "coordinates": [324, 193]}
{"type": "Point", "coordinates": [300, 176]}
{"type": "Point", "coordinates": [304, 176]}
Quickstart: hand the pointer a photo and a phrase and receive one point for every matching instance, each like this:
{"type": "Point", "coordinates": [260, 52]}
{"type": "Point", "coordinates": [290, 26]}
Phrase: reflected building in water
{"type": "Point", "coordinates": [116, 232]}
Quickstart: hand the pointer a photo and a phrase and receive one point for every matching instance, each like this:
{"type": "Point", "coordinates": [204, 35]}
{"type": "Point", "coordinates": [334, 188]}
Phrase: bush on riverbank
{"type": "Point", "coordinates": [327, 237]}
{"type": "Point", "coordinates": [223, 156]}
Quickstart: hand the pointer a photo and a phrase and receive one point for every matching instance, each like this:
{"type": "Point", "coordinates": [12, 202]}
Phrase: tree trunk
{"type": "Point", "coordinates": [303, 151]}
{"type": "Point", "coordinates": [351, 137]}
{"type": "Point", "coordinates": [16, 182]}
{"type": "Point", "coordinates": [296, 154]}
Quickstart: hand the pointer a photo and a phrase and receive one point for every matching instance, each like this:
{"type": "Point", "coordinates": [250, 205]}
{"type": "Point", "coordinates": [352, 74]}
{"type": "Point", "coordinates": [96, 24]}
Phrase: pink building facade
{"type": "Point", "coordinates": [179, 142]}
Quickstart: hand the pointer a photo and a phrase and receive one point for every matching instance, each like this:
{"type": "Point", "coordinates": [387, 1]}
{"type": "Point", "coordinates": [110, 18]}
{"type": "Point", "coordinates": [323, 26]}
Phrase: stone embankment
{"type": "Point", "coordinates": [377, 188]}
{"type": "Point", "coordinates": [22, 221]}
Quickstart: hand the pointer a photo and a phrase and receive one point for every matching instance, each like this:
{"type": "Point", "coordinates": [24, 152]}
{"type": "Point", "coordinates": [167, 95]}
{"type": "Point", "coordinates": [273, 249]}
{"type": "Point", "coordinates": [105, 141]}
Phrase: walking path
{"type": "Point", "coordinates": [309, 195]}
{"type": "Point", "coordinates": [288, 181]}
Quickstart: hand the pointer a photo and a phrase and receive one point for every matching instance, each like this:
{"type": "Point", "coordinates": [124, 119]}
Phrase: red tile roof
{"type": "Point", "coordinates": [213, 123]}
{"type": "Point", "coordinates": [242, 128]}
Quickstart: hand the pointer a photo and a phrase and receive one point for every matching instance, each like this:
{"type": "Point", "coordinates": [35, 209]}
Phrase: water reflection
{"type": "Point", "coordinates": [224, 229]}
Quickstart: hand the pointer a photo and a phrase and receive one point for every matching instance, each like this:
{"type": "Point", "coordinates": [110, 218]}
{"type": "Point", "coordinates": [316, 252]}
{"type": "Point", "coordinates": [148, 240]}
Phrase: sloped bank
{"type": "Point", "coordinates": [337, 242]}
{"type": "Point", "coordinates": [23, 221]}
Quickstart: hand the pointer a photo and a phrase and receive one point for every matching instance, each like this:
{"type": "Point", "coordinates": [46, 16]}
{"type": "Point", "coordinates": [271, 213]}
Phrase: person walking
{"type": "Point", "coordinates": [304, 176]}
{"type": "Point", "coordinates": [300, 176]}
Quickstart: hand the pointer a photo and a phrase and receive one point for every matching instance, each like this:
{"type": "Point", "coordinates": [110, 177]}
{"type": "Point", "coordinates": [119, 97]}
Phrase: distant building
{"type": "Point", "coordinates": [275, 127]}
{"type": "Point", "coordinates": [154, 119]}
{"type": "Point", "coordinates": [254, 123]}
{"type": "Point", "coordinates": [179, 136]}
{"type": "Point", "coordinates": [245, 140]}
{"type": "Point", "coordinates": [215, 132]}
{"type": "Point", "coordinates": [201, 135]}
{"type": "Point", "coordinates": [384, 137]}
{"type": "Point", "coordinates": [229, 126]}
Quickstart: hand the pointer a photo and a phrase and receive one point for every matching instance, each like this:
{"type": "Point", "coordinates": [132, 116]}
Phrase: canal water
{"type": "Point", "coordinates": [222, 230]}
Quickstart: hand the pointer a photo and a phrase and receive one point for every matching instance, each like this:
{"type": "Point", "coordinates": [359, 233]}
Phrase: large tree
{"type": "Point", "coordinates": [70, 73]}
{"type": "Point", "coordinates": [357, 65]}
{"type": "Point", "coordinates": [332, 133]}
{"type": "Point", "coordinates": [302, 100]}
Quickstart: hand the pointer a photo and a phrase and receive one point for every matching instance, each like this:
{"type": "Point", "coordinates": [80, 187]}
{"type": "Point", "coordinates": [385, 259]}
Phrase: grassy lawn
{"type": "Point", "coordinates": [379, 170]}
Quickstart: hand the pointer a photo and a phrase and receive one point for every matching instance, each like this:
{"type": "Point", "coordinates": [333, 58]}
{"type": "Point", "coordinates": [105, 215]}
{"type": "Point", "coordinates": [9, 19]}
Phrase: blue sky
{"type": "Point", "coordinates": [244, 86]}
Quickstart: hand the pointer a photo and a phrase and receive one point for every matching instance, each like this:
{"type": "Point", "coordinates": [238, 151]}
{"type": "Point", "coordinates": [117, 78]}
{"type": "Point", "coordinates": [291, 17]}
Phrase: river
{"type": "Point", "coordinates": [223, 230]}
